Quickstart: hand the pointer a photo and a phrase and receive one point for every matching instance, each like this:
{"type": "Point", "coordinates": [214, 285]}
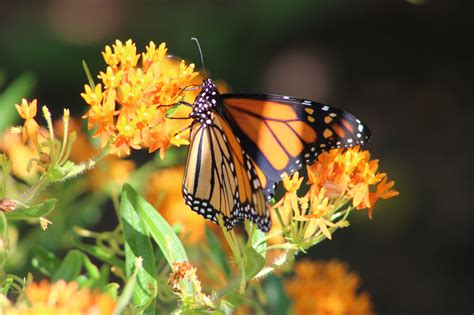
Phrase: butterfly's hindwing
{"type": "Point", "coordinates": [219, 178]}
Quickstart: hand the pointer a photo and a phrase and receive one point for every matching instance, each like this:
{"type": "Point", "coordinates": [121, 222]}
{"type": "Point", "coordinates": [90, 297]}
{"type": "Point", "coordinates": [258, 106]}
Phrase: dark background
{"type": "Point", "coordinates": [404, 67]}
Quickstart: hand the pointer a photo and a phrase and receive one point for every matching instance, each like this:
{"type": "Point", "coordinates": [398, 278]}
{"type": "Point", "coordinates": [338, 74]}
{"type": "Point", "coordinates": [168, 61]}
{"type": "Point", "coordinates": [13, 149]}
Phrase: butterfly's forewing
{"type": "Point", "coordinates": [281, 133]}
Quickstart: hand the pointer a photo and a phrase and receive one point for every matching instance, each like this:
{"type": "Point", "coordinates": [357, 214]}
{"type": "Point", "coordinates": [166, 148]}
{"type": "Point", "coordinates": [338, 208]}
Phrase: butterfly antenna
{"type": "Point", "coordinates": [200, 53]}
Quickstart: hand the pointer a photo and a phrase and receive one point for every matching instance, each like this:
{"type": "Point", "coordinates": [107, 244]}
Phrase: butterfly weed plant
{"type": "Point", "coordinates": [161, 257]}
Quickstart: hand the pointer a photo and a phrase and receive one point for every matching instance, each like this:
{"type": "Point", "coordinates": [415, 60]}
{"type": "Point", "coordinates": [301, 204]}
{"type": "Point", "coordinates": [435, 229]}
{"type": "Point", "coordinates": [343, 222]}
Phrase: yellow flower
{"type": "Point", "coordinates": [130, 111]}
{"type": "Point", "coordinates": [319, 208]}
{"type": "Point", "coordinates": [110, 78]}
{"type": "Point", "coordinates": [289, 203]}
{"type": "Point", "coordinates": [62, 298]}
{"type": "Point", "coordinates": [326, 288]}
{"type": "Point", "coordinates": [93, 97]}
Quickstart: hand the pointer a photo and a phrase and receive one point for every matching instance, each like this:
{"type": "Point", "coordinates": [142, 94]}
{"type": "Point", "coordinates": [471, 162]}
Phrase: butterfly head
{"type": "Point", "coordinates": [207, 101]}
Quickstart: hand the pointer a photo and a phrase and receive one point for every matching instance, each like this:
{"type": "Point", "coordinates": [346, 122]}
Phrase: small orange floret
{"type": "Point", "coordinates": [27, 111]}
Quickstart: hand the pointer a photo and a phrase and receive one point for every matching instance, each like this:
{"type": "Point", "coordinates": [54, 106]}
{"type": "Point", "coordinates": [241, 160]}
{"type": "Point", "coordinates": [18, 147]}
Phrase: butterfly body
{"type": "Point", "coordinates": [242, 144]}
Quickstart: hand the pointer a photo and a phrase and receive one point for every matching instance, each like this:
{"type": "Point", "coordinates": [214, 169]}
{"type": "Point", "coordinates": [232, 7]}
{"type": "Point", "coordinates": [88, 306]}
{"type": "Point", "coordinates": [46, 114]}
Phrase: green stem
{"type": "Point", "coordinates": [279, 262]}
{"type": "Point", "coordinates": [65, 139]}
{"type": "Point", "coordinates": [6, 241]}
{"type": "Point", "coordinates": [6, 164]}
{"type": "Point", "coordinates": [29, 194]}
{"type": "Point", "coordinates": [234, 246]}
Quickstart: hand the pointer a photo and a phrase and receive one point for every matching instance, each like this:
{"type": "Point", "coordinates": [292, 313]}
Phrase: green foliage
{"type": "Point", "coordinates": [138, 244]}
{"type": "Point", "coordinates": [159, 229]}
{"type": "Point", "coordinates": [104, 254]}
{"type": "Point", "coordinates": [217, 253]}
{"type": "Point", "coordinates": [32, 212]}
{"type": "Point", "coordinates": [75, 266]}
{"type": "Point", "coordinates": [19, 88]}
{"type": "Point", "coordinates": [254, 262]}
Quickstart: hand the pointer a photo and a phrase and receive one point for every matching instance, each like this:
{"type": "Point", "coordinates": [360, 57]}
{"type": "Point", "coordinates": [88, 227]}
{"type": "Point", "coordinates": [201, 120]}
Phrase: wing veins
{"type": "Point", "coordinates": [260, 116]}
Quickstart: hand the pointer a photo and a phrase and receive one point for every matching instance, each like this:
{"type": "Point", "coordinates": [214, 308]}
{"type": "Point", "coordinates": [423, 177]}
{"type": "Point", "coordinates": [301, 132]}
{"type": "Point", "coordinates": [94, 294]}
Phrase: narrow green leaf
{"type": "Point", "coordinates": [217, 253]}
{"type": "Point", "coordinates": [254, 262]}
{"type": "Point", "coordinates": [88, 74]}
{"type": "Point", "coordinates": [46, 262]}
{"type": "Point", "coordinates": [101, 253]}
{"type": "Point", "coordinates": [138, 244]}
{"type": "Point", "coordinates": [159, 229]}
{"type": "Point", "coordinates": [19, 88]}
{"type": "Point", "coordinates": [71, 266]}
{"type": "Point", "coordinates": [127, 293]}
{"type": "Point", "coordinates": [33, 212]}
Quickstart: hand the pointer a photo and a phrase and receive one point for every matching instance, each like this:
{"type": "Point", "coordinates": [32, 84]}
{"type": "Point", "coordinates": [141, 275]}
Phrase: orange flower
{"type": "Point", "coordinates": [164, 193]}
{"type": "Point", "coordinates": [326, 288]}
{"type": "Point", "coordinates": [129, 111]}
{"type": "Point", "coordinates": [349, 175]}
{"type": "Point", "coordinates": [27, 111]}
{"type": "Point", "coordinates": [383, 192]}
{"type": "Point", "coordinates": [62, 298]}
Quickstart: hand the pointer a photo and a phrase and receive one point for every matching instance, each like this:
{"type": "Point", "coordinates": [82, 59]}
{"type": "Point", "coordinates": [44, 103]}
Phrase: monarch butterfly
{"type": "Point", "coordinates": [242, 144]}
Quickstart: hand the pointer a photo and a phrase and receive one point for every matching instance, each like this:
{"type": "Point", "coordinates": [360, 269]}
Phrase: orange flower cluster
{"type": "Point", "coordinates": [129, 106]}
{"type": "Point", "coordinates": [62, 298]}
{"type": "Point", "coordinates": [336, 178]}
{"type": "Point", "coordinates": [350, 174]}
{"type": "Point", "coordinates": [326, 288]}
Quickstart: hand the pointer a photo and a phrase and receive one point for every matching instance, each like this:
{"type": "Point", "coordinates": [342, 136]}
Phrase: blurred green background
{"type": "Point", "coordinates": [404, 67]}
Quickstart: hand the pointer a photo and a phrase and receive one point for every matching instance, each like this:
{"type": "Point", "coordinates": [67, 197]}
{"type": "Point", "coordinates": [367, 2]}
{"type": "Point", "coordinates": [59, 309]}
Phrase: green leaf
{"type": "Point", "coordinates": [101, 253]}
{"type": "Point", "coordinates": [138, 244]}
{"type": "Point", "coordinates": [254, 262]}
{"type": "Point", "coordinates": [46, 262]}
{"type": "Point", "coordinates": [19, 88]}
{"type": "Point", "coordinates": [217, 253]}
{"type": "Point", "coordinates": [157, 226]}
{"type": "Point", "coordinates": [32, 212]}
{"type": "Point", "coordinates": [71, 266]}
